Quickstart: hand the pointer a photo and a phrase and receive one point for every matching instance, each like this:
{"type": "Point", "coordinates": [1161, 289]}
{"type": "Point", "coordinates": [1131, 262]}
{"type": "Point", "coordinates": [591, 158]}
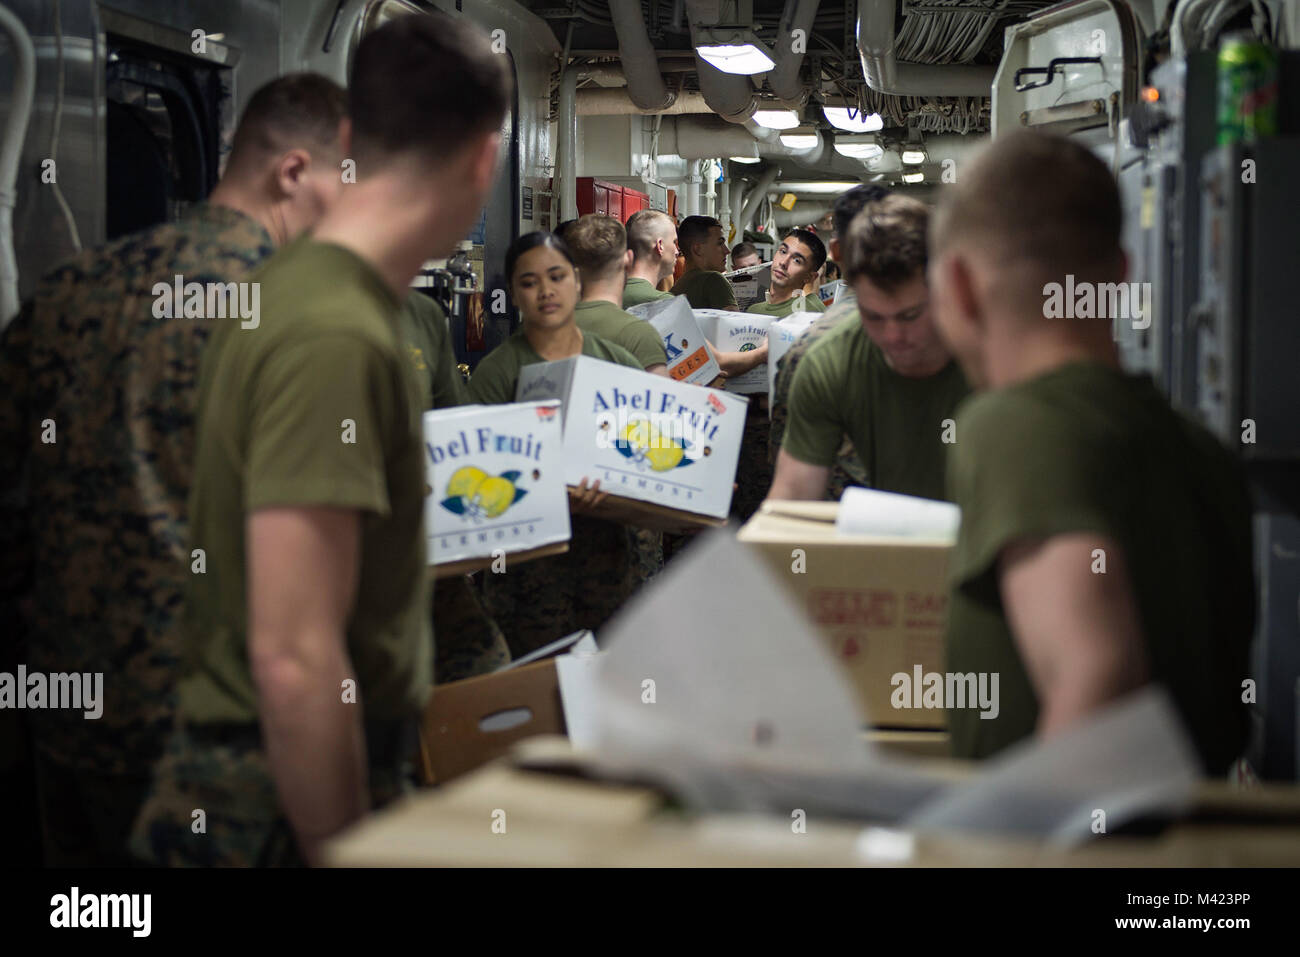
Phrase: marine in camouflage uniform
{"type": "Point", "coordinates": [848, 471]}
{"type": "Point", "coordinates": [753, 468]}
{"type": "Point", "coordinates": [467, 642]}
{"type": "Point", "coordinates": [98, 513]}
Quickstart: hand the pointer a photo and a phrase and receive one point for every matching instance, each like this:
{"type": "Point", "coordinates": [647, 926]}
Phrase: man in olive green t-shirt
{"type": "Point", "coordinates": [652, 255]}
{"type": "Point", "coordinates": [307, 626]}
{"type": "Point", "coordinates": [705, 251]}
{"type": "Point", "coordinates": [886, 381]}
{"type": "Point", "coordinates": [426, 339]}
{"type": "Point", "coordinates": [1105, 541]}
{"type": "Point", "coordinates": [797, 260]}
{"type": "Point", "coordinates": [599, 247]}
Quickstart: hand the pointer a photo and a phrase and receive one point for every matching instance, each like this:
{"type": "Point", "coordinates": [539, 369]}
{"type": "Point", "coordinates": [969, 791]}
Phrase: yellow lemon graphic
{"type": "Point", "coordinates": [494, 496]}
{"type": "Point", "coordinates": [663, 459]}
{"type": "Point", "coordinates": [650, 446]}
{"type": "Point", "coordinates": [465, 481]}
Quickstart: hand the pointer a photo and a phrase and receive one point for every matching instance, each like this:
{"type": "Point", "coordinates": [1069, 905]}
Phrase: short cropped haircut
{"type": "Point", "coordinates": [1038, 199]}
{"type": "Point", "coordinates": [741, 250]}
{"type": "Point", "coordinates": [850, 204]}
{"type": "Point", "coordinates": [425, 84]}
{"type": "Point", "coordinates": [886, 242]}
{"type": "Point", "coordinates": [695, 229]}
{"type": "Point", "coordinates": [598, 243]}
{"type": "Point", "coordinates": [816, 247]}
{"type": "Point", "coordinates": [295, 111]}
{"type": "Point", "coordinates": [644, 228]}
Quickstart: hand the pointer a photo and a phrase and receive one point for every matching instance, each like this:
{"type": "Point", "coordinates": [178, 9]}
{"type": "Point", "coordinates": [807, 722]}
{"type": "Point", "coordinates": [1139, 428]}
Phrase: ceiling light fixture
{"type": "Point", "coordinates": [776, 119]}
{"type": "Point", "coordinates": [852, 120]}
{"type": "Point", "coordinates": [917, 177]}
{"type": "Point", "coordinates": [913, 157]}
{"type": "Point", "coordinates": [858, 146]}
{"type": "Point", "coordinates": [744, 159]}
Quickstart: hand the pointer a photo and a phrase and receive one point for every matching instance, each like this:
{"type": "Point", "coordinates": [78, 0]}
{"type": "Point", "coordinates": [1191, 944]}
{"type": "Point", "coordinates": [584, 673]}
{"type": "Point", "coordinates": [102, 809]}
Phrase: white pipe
{"type": "Point", "coordinates": [729, 95]}
{"type": "Point", "coordinates": [755, 198]}
{"type": "Point", "coordinates": [616, 101]}
{"type": "Point", "coordinates": [711, 195]}
{"type": "Point", "coordinates": [884, 74]}
{"type": "Point", "coordinates": [645, 84]}
{"type": "Point", "coordinates": [11, 152]}
{"type": "Point", "coordinates": [566, 147]}
{"type": "Point", "coordinates": [724, 196]}
{"type": "Point", "coordinates": [784, 77]}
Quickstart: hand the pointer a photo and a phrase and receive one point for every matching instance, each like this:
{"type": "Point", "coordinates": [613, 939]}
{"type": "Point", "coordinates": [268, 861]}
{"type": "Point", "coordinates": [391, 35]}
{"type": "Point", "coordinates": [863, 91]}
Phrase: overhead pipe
{"type": "Point", "coordinates": [885, 74]}
{"type": "Point", "coordinates": [645, 84]}
{"type": "Point", "coordinates": [617, 101]}
{"type": "Point", "coordinates": [755, 198]}
{"type": "Point", "coordinates": [566, 146]}
{"type": "Point", "coordinates": [729, 95]}
{"type": "Point", "coordinates": [784, 77]}
{"type": "Point", "coordinates": [20, 111]}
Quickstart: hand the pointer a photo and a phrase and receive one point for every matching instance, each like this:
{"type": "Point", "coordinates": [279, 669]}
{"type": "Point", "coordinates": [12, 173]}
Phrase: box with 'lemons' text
{"type": "Point", "coordinates": [496, 481]}
{"type": "Point", "coordinates": [644, 437]}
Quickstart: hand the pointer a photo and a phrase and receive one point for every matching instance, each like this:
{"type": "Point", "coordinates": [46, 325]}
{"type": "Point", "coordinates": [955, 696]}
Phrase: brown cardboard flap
{"type": "Point", "coordinates": [659, 518]}
{"type": "Point", "coordinates": [452, 740]}
{"type": "Point", "coordinates": [451, 569]}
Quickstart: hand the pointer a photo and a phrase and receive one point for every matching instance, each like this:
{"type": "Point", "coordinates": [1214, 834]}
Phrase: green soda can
{"type": "Point", "coordinates": [1248, 86]}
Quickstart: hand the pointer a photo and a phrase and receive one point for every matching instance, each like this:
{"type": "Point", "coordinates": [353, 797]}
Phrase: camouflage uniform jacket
{"type": "Point", "coordinates": [96, 436]}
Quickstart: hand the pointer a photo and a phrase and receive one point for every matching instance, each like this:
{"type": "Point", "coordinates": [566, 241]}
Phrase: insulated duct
{"type": "Point", "coordinates": [566, 147]}
{"type": "Point", "coordinates": [885, 74]}
{"type": "Point", "coordinates": [755, 199]}
{"type": "Point", "coordinates": [645, 84]}
{"type": "Point", "coordinates": [11, 151]}
{"type": "Point", "coordinates": [784, 77]}
{"type": "Point", "coordinates": [617, 101]}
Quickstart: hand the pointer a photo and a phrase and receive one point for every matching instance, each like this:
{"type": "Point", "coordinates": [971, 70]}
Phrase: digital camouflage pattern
{"type": "Point", "coordinates": [849, 470]}
{"type": "Point", "coordinates": [88, 365]}
{"type": "Point", "coordinates": [753, 468]}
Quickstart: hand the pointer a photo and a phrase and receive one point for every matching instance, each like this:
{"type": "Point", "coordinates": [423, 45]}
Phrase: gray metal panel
{"type": "Point", "coordinates": [1277, 648]}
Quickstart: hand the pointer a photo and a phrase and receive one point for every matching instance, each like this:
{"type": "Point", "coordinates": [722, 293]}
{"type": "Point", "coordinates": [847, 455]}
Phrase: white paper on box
{"type": "Point", "coordinates": [742, 332]}
{"type": "Point", "coordinates": [867, 511]}
{"type": "Point", "coordinates": [643, 436]}
{"type": "Point", "coordinates": [781, 335]}
{"type": "Point", "coordinates": [689, 357]}
{"type": "Point", "coordinates": [497, 479]}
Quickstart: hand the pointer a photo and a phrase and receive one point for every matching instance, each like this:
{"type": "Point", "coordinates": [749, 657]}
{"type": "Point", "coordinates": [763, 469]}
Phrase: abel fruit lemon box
{"type": "Point", "coordinates": [689, 358]}
{"type": "Point", "coordinates": [497, 479]}
{"type": "Point", "coordinates": [737, 332]}
{"type": "Point", "coordinates": [644, 436]}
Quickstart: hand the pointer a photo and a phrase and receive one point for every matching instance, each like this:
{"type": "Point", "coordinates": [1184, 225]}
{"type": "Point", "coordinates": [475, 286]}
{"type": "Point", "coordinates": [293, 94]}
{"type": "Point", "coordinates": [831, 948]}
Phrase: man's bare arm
{"type": "Point", "coordinates": [738, 363]}
{"type": "Point", "coordinates": [798, 481]}
{"type": "Point", "coordinates": [303, 565]}
{"type": "Point", "coordinates": [1078, 631]}
{"type": "Point", "coordinates": [660, 368]}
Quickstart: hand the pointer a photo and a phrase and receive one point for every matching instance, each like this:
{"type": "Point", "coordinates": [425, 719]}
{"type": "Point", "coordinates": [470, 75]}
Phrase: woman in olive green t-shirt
{"type": "Point", "coordinates": [539, 601]}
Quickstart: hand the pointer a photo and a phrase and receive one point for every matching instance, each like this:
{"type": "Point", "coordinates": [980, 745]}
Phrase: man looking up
{"type": "Point", "coordinates": [798, 258]}
{"type": "Point", "coordinates": [652, 248]}
{"type": "Point", "coordinates": [1105, 540]}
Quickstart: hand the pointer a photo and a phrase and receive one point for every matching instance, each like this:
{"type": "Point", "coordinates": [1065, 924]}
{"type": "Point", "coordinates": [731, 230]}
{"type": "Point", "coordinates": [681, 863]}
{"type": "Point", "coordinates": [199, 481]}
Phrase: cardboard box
{"type": "Point", "coordinates": [689, 357]}
{"type": "Point", "coordinates": [496, 481]}
{"type": "Point", "coordinates": [737, 332]}
{"type": "Point", "coordinates": [644, 437]}
{"type": "Point", "coordinates": [781, 335]}
{"type": "Point", "coordinates": [468, 723]}
{"type": "Point", "coordinates": [881, 604]}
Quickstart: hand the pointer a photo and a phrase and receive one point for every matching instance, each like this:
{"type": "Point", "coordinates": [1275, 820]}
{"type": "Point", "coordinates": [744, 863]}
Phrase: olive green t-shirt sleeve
{"type": "Point", "coordinates": [717, 291]}
{"type": "Point", "coordinates": [448, 384]}
{"type": "Point", "coordinates": [1017, 471]}
{"type": "Point", "coordinates": [322, 416]}
{"type": "Point", "coordinates": [814, 304]}
{"type": "Point", "coordinates": [644, 343]}
{"type": "Point", "coordinates": [493, 380]}
{"type": "Point", "coordinates": [615, 353]}
{"type": "Point", "coordinates": [813, 424]}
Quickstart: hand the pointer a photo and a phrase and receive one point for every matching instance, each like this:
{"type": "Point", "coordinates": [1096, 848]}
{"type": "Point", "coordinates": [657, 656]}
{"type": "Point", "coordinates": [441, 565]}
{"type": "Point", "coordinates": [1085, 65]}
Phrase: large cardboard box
{"type": "Point", "coordinates": [880, 604]}
{"type": "Point", "coordinates": [645, 437]}
{"type": "Point", "coordinates": [737, 332]}
{"type": "Point", "coordinates": [496, 482]}
{"type": "Point", "coordinates": [689, 357]}
{"type": "Point", "coordinates": [781, 335]}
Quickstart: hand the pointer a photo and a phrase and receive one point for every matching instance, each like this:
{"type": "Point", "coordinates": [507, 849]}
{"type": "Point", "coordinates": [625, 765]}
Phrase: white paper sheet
{"type": "Point", "coordinates": [865, 511]}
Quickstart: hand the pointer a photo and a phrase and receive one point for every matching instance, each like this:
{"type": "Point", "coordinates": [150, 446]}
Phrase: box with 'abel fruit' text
{"type": "Point", "coordinates": [738, 332]}
{"type": "Point", "coordinates": [689, 358]}
{"type": "Point", "coordinates": [666, 445]}
{"type": "Point", "coordinates": [496, 484]}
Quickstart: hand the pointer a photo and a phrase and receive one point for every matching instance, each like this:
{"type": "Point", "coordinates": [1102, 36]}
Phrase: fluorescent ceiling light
{"type": "Point", "coordinates": [813, 186]}
{"type": "Point", "coordinates": [917, 177]}
{"type": "Point", "coordinates": [859, 122]}
{"type": "Point", "coordinates": [743, 159]}
{"type": "Point", "coordinates": [913, 157]}
{"type": "Point", "coordinates": [741, 58]}
{"type": "Point", "coordinates": [777, 119]}
{"type": "Point", "coordinates": [858, 147]}
{"type": "Point", "coordinates": [800, 141]}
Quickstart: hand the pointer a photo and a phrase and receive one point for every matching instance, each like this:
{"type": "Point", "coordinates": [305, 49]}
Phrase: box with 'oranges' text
{"type": "Point", "coordinates": [879, 604]}
{"type": "Point", "coordinates": [666, 444]}
{"type": "Point", "coordinates": [689, 357]}
{"type": "Point", "coordinates": [496, 481]}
